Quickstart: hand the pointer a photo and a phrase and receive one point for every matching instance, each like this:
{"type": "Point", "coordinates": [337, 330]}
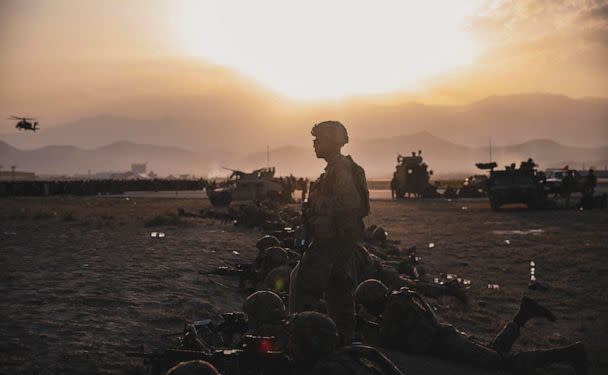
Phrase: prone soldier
{"type": "Point", "coordinates": [407, 323]}
{"type": "Point", "coordinates": [266, 318]}
{"type": "Point", "coordinates": [313, 345]}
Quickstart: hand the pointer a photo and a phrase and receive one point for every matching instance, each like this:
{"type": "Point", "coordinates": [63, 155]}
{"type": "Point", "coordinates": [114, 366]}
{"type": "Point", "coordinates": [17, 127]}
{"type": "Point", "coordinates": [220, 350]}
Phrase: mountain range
{"type": "Point", "coordinates": [248, 121]}
{"type": "Point", "coordinates": [376, 155]}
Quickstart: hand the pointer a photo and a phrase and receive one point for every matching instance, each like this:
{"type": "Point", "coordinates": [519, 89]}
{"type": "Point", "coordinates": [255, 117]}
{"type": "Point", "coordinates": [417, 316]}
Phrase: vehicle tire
{"type": "Point", "coordinates": [495, 202]}
{"type": "Point", "coordinates": [400, 193]}
{"type": "Point", "coordinates": [220, 198]}
{"type": "Point", "coordinates": [535, 202]}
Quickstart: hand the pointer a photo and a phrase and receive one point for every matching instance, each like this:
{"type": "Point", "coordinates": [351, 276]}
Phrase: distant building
{"type": "Point", "coordinates": [139, 168]}
{"type": "Point", "coordinates": [17, 176]}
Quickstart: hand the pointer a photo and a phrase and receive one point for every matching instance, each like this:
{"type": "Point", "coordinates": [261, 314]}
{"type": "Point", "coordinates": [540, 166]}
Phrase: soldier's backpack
{"type": "Point", "coordinates": [361, 182]}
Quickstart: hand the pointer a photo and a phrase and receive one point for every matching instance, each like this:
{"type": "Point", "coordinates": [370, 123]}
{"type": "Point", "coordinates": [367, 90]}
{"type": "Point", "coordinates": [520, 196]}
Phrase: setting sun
{"type": "Point", "coordinates": [319, 49]}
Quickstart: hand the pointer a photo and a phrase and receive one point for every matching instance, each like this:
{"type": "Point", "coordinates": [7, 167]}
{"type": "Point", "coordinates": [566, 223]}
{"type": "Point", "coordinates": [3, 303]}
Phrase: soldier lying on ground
{"type": "Point", "coordinates": [377, 242]}
{"type": "Point", "coordinates": [371, 267]}
{"type": "Point", "coordinates": [313, 340]}
{"type": "Point", "coordinates": [266, 317]}
{"type": "Point", "coordinates": [407, 323]}
{"type": "Point", "coordinates": [271, 241]}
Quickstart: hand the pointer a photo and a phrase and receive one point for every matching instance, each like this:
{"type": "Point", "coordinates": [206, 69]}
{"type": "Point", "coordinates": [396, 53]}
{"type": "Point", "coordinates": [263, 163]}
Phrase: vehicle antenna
{"type": "Point", "coordinates": [268, 155]}
{"type": "Point", "coordinates": [490, 140]}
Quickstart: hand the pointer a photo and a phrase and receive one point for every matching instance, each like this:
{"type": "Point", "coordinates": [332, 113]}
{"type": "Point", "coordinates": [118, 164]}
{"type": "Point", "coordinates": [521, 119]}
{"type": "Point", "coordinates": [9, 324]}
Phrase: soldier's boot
{"type": "Point", "coordinates": [574, 354]}
{"type": "Point", "coordinates": [529, 309]}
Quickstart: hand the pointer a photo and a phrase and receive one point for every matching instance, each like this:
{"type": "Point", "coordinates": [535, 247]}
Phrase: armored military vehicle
{"type": "Point", "coordinates": [241, 187]}
{"type": "Point", "coordinates": [411, 178]}
{"type": "Point", "coordinates": [515, 185]}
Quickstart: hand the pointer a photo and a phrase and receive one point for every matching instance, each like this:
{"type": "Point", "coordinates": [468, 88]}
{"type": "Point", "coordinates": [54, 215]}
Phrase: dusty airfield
{"type": "Point", "coordinates": [82, 280]}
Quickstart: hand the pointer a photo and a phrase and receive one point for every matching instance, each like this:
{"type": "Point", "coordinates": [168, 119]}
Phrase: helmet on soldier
{"type": "Point", "coordinates": [379, 235]}
{"type": "Point", "coordinates": [332, 130]}
{"type": "Point", "coordinates": [264, 307]}
{"type": "Point", "coordinates": [277, 279]}
{"type": "Point", "coordinates": [274, 257]}
{"type": "Point", "coordinates": [311, 336]}
{"type": "Point", "coordinates": [372, 295]}
{"type": "Point", "coordinates": [266, 242]}
{"type": "Point", "coordinates": [196, 367]}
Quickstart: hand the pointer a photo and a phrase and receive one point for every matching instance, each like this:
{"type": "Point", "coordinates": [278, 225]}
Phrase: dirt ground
{"type": "Point", "coordinates": [82, 280]}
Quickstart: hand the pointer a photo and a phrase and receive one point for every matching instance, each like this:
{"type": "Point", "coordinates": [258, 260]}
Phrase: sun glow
{"type": "Point", "coordinates": [328, 49]}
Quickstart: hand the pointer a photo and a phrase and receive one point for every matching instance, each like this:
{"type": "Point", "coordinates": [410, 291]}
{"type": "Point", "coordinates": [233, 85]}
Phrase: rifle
{"type": "Point", "coordinates": [245, 272]}
{"type": "Point", "coordinates": [255, 357]}
{"type": "Point", "coordinates": [223, 330]}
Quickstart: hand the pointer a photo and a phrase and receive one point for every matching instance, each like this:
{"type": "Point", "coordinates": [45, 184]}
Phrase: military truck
{"type": "Point", "coordinates": [411, 178]}
{"type": "Point", "coordinates": [515, 185]}
{"type": "Point", "coordinates": [241, 187]}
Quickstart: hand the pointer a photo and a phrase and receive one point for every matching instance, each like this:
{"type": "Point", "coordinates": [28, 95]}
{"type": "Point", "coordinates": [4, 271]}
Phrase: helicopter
{"type": "Point", "coordinates": [24, 124]}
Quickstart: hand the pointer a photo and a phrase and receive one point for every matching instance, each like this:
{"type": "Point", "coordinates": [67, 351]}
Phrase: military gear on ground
{"type": "Point", "coordinates": [277, 280]}
{"type": "Point", "coordinates": [333, 130]}
{"type": "Point", "coordinates": [252, 359]}
{"type": "Point", "coordinates": [372, 294]}
{"type": "Point", "coordinates": [264, 307]}
{"type": "Point", "coordinates": [245, 272]}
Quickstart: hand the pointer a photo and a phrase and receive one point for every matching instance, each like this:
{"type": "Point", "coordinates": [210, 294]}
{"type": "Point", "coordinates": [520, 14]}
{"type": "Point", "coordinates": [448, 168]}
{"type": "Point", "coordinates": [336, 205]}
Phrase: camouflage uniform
{"type": "Point", "coordinates": [410, 325]}
{"type": "Point", "coordinates": [338, 201]}
{"type": "Point", "coordinates": [369, 266]}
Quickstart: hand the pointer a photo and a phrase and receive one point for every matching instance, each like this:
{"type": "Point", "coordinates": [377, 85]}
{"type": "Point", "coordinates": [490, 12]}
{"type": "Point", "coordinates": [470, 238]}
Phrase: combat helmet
{"type": "Point", "coordinates": [274, 257]}
{"type": "Point", "coordinates": [372, 295]}
{"type": "Point", "coordinates": [333, 130]}
{"type": "Point", "coordinates": [193, 367]}
{"type": "Point", "coordinates": [264, 307]}
{"type": "Point", "coordinates": [266, 242]}
{"type": "Point", "coordinates": [313, 335]}
{"type": "Point", "coordinates": [379, 235]}
{"type": "Point", "coordinates": [277, 279]}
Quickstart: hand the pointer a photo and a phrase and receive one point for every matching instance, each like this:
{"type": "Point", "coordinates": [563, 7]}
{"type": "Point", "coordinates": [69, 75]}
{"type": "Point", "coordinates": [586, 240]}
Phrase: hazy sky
{"type": "Point", "coordinates": [67, 56]}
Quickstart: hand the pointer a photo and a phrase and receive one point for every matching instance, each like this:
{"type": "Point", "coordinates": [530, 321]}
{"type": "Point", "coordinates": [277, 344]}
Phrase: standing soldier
{"type": "Point", "coordinates": [337, 203]}
{"type": "Point", "coordinates": [590, 183]}
{"type": "Point", "coordinates": [567, 187]}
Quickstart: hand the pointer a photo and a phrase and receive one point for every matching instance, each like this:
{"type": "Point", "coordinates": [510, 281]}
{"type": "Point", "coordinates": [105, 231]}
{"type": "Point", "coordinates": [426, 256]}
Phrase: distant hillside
{"type": "Point", "coordinates": [114, 157]}
{"type": "Point", "coordinates": [243, 122]}
{"type": "Point", "coordinates": [377, 156]}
